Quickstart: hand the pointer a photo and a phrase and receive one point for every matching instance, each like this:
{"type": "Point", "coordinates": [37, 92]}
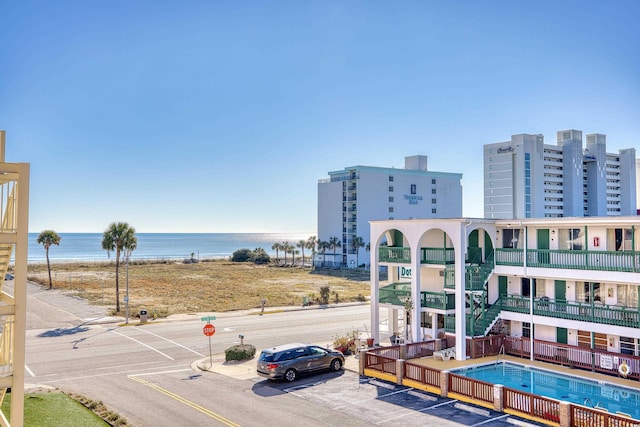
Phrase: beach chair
{"type": "Point", "coordinates": [445, 354]}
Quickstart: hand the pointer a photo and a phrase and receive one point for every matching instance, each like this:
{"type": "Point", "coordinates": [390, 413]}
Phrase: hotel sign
{"type": "Point", "coordinates": [505, 150]}
{"type": "Point", "coordinates": [413, 200]}
{"type": "Point", "coordinates": [405, 273]}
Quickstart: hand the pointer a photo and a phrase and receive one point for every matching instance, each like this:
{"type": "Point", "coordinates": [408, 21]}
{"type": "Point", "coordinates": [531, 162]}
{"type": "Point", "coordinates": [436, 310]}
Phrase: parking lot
{"type": "Point", "coordinates": [381, 403]}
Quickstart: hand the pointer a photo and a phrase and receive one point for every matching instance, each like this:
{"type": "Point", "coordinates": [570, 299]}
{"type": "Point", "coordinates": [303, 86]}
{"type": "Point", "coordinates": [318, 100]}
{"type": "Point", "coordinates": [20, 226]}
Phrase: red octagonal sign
{"type": "Point", "coordinates": [209, 329]}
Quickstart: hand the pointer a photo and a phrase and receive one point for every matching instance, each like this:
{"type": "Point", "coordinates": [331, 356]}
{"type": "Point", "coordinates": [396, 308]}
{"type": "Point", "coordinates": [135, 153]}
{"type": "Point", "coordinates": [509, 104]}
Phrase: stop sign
{"type": "Point", "coordinates": [209, 329]}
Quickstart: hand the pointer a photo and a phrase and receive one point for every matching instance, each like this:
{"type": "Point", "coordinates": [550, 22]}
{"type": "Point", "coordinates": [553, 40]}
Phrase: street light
{"type": "Point", "coordinates": [127, 253]}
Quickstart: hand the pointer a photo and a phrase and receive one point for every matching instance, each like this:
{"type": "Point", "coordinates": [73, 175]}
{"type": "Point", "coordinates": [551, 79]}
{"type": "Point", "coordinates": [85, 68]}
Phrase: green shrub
{"type": "Point", "coordinates": [240, 352]}
{"type": "Point", "coordinates": [324, 294]}
{"type": "Point", "coordinates": [260, 256]}
{"type": "Point", "coordinates": [241, 255]}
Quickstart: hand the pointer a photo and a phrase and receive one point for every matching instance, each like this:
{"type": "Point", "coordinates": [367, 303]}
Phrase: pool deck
{"type": "Point", "coordinates": [455, 364]}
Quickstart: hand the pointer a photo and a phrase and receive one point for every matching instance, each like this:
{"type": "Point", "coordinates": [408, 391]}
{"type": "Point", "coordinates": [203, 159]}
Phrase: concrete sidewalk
{"type": "Point", "coordinates": [246, 369]}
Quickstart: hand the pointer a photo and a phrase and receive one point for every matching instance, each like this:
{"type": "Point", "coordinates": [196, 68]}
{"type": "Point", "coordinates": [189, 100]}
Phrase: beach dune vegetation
{"type": "Point", "coordinates": [257, 256]}
{"type": "Point", "coordinates": [164, 288]}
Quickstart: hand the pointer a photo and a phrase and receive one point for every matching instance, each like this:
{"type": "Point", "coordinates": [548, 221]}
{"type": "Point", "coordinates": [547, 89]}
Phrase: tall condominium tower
{"type": "Point", "coordinates": [526, 178]}
{"type": "Point", "coordinates": [352, 197]}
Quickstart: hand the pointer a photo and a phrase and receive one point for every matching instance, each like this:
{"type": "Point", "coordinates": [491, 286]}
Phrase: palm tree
{"type": "Point", "coordinates": [293, 251]}
{"type": "Point", "coordinates": [119, 237]}
{"type": "Point", "coordinates": [302, 244]}
{"type": "Point", "coordinates": [276, 247]}
{"type": "Point", "coordinates": [334, 243]}
{"type": "Point", "coordinates": [285, 248]}
{"type": "Point", "coordinates": [356, 244]}
{"type": "Point", "coordinates": [311, 244]}
{"type": "Point", "coordinates": [46, 239]}
{"type": "Point", "coordinates": [322, 247]}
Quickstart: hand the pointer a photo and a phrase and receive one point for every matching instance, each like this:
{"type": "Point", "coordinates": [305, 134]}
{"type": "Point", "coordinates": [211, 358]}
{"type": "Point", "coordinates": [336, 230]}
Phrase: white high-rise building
{"type": "Point", "coordinates": [352, 197]}
{"type": "Point", "coordinates": [526, 178]}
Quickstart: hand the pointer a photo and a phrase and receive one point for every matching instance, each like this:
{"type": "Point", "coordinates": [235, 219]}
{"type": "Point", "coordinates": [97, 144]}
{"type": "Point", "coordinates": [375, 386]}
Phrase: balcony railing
{"type": "Point", "coordinates": [395, 293]}
{"type": "Point", "coordinates": [438, 300]}
{"type": "Point", "coordinates": [568, 259]}
{"type": "Point", "coordinates": [586, 312]}
{"type": "Point", "coordinates": [437, 256]}
{"type": "Point", "coordinates": [394, 254]}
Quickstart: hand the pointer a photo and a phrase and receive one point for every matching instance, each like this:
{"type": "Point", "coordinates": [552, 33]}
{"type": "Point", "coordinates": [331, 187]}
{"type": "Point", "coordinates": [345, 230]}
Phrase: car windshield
{"type": "Point", "coordinates": [317, 351]}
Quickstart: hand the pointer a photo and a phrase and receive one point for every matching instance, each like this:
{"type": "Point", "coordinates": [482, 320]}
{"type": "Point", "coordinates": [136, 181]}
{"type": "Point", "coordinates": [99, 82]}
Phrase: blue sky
{"type": "Point", "coordinates": [221, 116]}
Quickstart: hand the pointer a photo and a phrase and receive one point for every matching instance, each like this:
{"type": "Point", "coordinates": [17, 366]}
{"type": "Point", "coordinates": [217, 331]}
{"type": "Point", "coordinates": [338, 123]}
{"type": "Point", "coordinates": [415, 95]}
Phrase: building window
{"type": "Point", "coordinates": [511, 238]}
{"type": "Point", "coordinates": [390, 208]}
{"type": "Point", "coordinates": [390, 178]}
{"type": "Point", "coordinates": [391, 188]}
{"type": "Point", "coordinates": [433, 210]}
{"type": "Point", "coordinates": [413, 189]}
{"type": "Point", "coordinates": [619, 239]}
{"type": "Point", "coordinates": [628, 296]}
{"type": "Point", "coordinates": [628, 346]}
{"type": "Point", "coordinates": [433, 191]}
{"type": "Point", "coordinates": [433, 201]}
{"type": "Point", "coordinates": [526, 330]}
{"type": "Point", "coordinates": [390, 199]}
{"type": "Point", "coordinates": [571, 239]}
{"type": "Point", "coordinates": [433, 181]}
{"type": "Point", "coordinates": [583, 293]}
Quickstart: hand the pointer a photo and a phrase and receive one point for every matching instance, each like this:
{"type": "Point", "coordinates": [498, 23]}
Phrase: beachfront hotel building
{"type": "Point", "coordinates": [526, 178]}
{"type": "Point", "coordinates": [570, 281]}
{"type": "Point", "coordinates": [349, 198]}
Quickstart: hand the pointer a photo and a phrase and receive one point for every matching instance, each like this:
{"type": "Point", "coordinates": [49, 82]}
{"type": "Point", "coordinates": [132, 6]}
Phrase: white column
{"type": "Point", "coordinates": [375, 293]}
{"type": "Point", "coordinates": [415, 294]}
{"type": "Point", "coordinates": [461, 335]}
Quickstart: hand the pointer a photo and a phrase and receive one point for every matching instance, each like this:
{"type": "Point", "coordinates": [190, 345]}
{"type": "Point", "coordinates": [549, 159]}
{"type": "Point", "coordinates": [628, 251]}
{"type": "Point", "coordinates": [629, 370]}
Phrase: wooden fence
{"type": "Point", "coordinates": [539, 408]}
{"type": "Point", "coordinates": [576, 357]}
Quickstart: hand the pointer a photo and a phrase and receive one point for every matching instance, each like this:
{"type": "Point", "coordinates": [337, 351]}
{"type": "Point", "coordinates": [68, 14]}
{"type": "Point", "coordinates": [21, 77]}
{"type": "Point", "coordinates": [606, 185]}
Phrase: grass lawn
{"type": "Point", "coordinates": [53, 409]}
{"type": "Point", "coordinates": [164, 288]}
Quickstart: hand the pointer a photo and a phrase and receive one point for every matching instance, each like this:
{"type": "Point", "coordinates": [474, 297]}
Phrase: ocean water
{"type": "Point", "coordinates": [88, 246]}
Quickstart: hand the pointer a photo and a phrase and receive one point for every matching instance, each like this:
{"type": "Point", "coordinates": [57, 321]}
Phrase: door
{"type": "Point", "coordinates": [502, 286]}
{"type": "Point", "coordinates": [560, 295]}
{"type": "Point", "coordinates": [561, 335]}
{"type": "Point", "coordinates": [543, 245]}
{"type": "Point", "coordinates": [474, 253]}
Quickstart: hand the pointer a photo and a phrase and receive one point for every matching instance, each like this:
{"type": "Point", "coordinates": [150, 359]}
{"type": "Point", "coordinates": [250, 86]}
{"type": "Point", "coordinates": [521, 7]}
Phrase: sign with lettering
{"type": "Point", "coordinates": [405, 273]}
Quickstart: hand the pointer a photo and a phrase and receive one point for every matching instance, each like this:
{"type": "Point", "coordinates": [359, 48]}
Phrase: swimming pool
{"type": "Point", "coordinates": [570, 388]}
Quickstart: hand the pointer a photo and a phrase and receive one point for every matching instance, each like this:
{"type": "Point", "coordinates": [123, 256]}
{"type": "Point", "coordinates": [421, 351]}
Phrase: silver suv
{"type": "Point", "coordinates": [289, 360]}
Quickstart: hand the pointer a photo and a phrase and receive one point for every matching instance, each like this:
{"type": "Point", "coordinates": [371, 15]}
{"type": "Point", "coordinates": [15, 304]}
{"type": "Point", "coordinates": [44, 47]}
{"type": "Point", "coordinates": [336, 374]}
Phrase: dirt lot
{"type": "Point", "coordinates": [170, 288]}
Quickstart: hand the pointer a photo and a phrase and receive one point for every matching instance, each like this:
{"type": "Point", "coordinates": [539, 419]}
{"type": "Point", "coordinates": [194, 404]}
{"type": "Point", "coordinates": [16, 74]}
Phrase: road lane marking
{"type": "Point", "coordinates": [143, 344]}
{"type": "Point", "coordinates": [29, 371]}
{"type": "Point", "coordinates": [490, 420]}
{"type": "Point", "coordinates": [81, 377]}
{"type": "Point", "coordinates": [144, 374]}
{"type": "Point", "coordinates": [172, 342]}
{"type": "Point", "coordinates": [189, 403]}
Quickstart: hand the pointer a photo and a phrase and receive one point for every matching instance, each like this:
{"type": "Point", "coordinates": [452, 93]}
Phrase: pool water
{"type": "Point", "coordinates": [569, 388]}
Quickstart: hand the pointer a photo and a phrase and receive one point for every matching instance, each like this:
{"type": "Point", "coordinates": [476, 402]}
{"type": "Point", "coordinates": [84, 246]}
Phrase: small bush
{"type": "Point", "coordinates": [324, 294]}
{"type": "Point", "coordinates": [241, 255]}
{"type": "Point", "coordinates": [260, 256]}
{"type": "Point", "coordinates": [240, 352]}
{"type": "Point", "coordinates": [257, 256]}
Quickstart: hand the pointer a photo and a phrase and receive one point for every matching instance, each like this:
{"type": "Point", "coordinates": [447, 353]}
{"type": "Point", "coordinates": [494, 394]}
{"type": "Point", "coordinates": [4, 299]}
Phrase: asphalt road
{"type": "Point", "coordinates": [148, 373]}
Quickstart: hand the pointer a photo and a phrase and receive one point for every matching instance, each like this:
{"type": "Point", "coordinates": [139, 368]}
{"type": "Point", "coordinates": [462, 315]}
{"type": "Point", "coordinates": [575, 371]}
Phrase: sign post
{"type": "Point", "coordinates": [209, 330]}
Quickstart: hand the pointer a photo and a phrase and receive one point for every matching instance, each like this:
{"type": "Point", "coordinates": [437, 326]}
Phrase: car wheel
{"type": "Point", "coordinates": [336, 364]}
{"type": "Point", "coordinates": [290, 375]}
